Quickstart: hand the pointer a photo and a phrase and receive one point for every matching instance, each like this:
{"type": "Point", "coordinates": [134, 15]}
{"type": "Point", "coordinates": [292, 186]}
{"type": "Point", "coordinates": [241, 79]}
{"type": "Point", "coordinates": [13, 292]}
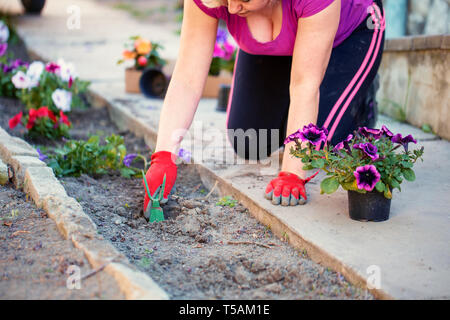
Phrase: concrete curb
{"type": "Point", "coordinates": [125, 120]}
{"type": "Point", "coordinates": [26, 171]}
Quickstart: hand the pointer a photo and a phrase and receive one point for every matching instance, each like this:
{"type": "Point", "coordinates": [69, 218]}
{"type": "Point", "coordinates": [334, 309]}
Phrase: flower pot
{"type": "Point", "coordinates": [222, 101]}
{"type": "Point", "coordinates": [132, 78]}
{"type": "Point", "coordinates": [213, 83]}
{"type": "Point", "coordinates": [33, 6]}
{"type": "Point", "coordinates": [153, 83]}
{"type": "Point", "coordinates": [370, 206]}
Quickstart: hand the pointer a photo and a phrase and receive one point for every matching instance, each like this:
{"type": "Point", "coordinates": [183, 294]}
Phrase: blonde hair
{"type": "Point", "coordinates": [215, 3]}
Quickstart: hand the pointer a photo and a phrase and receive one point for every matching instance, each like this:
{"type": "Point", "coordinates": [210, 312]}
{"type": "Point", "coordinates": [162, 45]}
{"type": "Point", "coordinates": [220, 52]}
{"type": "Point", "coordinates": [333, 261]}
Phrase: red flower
{"type": "Point", "coordinates": [64, 118]}
{"type": "Point", "coordinates": [32, 115]}
{"type": "Point", "coordinates": [44, 112]}
{"type": "Point", "coordinates": [14, 121]}
{"type": "Point", "coordinates": [70, 82]}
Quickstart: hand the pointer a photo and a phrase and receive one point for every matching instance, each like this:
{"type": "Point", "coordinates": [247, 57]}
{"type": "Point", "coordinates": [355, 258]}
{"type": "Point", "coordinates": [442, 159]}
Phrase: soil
{"type": "Point", "coordinates": [34, 258]}
{"type": "Point", "coordinates": [202, 250]}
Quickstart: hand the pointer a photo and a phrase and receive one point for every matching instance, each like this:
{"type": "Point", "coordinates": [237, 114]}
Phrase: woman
{"type": "Point", "coordinates": [299, 62]}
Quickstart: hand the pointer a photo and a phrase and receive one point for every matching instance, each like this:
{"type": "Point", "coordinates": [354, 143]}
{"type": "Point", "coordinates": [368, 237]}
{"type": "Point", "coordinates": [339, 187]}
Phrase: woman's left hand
{"type": "Point", "coordinates": [287, 189]}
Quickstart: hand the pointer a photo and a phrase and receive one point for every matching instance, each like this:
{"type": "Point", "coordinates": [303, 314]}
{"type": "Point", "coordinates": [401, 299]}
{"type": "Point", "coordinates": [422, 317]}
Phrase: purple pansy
{"type": "Point", "coordinates": [313, 134]}
{"type": "Point", "coordinates": [403, 141]}
{"type": "Point", "coordinates": [184, 154]}
{"type": "Point", "coordinates": [42, 156]}
{"type": "Point", "coordinates": [369, 149]}
{"type": "Point", "coordinates": [368, 132]}
{"type": "Point", "coordinates": [367, 177]}
{"type": "Point", "coordinates": [128, 159]}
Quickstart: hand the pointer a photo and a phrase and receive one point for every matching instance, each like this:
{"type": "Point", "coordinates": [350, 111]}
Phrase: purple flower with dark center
{"type": "Point", "coordinates": [42, 156]}
{"type": "Point", "coordinates": [128, 159]}
{"type": "Point", "coordinates": [313, 134]}
{"type": "Point", "coordinates": [184, 154]}
{"type": "Point", "coordinates": [343, 144]}
{"type": "Point", "coordinates": [367, 132]}
{"type": "Point", "coordinates": [386, 132]}
{"type": "Point", "coordinates": [403, 141]}
{"type": "Point", "coordinates": [367, 177]}
{"type": "Point", "coordinates": [3, 48]}
{"type": "Point", "coordinates": [369, 149]}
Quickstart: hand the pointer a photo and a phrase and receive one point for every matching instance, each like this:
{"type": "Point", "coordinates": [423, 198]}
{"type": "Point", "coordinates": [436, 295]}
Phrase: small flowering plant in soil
{"type": "Point", "coordinates": [143, 53]}
{"type": "Point", "coordinates": [224, 54]}
{"type": "Point", "coordinates": [42, 122]}
{"type": "Point", "coordinates": [368, 160]}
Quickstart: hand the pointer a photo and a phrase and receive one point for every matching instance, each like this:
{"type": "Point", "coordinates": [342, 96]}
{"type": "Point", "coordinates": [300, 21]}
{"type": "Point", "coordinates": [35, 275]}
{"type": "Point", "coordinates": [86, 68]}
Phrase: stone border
{"type": "Point", "coordinates": [415, 43]}
{"type": "Point", "coordinates": [37, 180]}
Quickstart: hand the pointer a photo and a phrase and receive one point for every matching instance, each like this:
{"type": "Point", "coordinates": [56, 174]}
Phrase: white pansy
{"type": "Point", "coordinates": [34, 72]}
{"type": "Point", "coordinates": [21, 80]}
{"type": "Point", "coordinates": [66, 70]}
{"type": "Point", "coordinates": [4, 32]}
{"type": "Point", "coordinates": [62, 99]}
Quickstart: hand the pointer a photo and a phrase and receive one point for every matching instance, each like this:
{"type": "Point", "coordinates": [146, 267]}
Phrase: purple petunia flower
{"type": "Point", "coordinates": [3, 48]}
{"type": "Point", "coordinates": [313, 134]}
{"type": "Point", "coordinates": [184, 154]}
{"type": "Point", "coordinates": [369, 149]}
{"type": "Point", "coordinates": [42, 156]}
{"type": "Point", "coordinates": [343, 144]}
{"type": "Point", "coordinates": [403, 141]}
{"type": "Point", "coordinates": [367, 177]}
{"type": "Point", "coordinates": [386, 132]}
{"type": "Point", "coordinates": [291, 137]}
{"type": "Point", "coordinates": [367, 132]}
{"type": "Point", "coordinates": [128, 159]}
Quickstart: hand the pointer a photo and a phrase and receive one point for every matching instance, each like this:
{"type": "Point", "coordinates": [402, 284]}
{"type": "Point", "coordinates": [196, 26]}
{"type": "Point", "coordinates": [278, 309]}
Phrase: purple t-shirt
{"type": "Point", "coordinates": [353, 12]}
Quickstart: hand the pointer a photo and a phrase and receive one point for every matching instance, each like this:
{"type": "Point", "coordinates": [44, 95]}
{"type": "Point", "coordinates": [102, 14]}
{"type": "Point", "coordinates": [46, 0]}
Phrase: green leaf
{"type": "Point", "coordinates": [380, 186]}
{"type": "Point", "coordinates": [329, 185]}
{"type": "Point", "coordinates": [409, 174]}
{"type": "Point", "coordinates": [350, 185]}
{"type": "Point", "coordinates": [318, 163]}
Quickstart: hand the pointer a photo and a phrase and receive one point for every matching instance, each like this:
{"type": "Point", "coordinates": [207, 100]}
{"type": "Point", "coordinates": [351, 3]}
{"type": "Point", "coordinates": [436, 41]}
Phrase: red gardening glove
{"type": "Point", "coordinates": [162, 162]}
{"type": "Point", "coordinates": [287, 189]}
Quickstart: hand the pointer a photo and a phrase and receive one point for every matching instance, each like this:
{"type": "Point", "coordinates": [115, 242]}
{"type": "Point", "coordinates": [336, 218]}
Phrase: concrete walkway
{"type": "Point", "coordinates": [409, 252]}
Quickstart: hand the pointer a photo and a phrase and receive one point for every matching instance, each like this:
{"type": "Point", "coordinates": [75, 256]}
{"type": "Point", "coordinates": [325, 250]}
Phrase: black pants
{"type": "Point", "coordinates": [259, 99]}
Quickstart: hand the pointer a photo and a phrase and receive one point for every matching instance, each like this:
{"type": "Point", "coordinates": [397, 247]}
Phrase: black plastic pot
{"type": "Point", "coordinates": [370, 206]}
{"type": "Point", "coordinates": [153, 83]}
{"type": "Point", "coordinates": [222, 99]}
{"type": "Point", "coordinates": [33, 6]}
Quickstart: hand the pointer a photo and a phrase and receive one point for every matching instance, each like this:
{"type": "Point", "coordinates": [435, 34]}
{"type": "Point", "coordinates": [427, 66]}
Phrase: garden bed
{"type": "Point", "coordinates": [202, 250]}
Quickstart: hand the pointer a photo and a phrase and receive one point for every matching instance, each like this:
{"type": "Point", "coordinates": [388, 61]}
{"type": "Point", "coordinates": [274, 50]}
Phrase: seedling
{"type": "Point", "coordinates": [227, 201]}
{"type": "Point", "coordinates": [154, 212]}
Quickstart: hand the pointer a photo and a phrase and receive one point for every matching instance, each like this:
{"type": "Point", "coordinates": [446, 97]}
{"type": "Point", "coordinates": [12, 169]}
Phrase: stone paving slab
{"type": "Point", "coordinates": [410, 249]}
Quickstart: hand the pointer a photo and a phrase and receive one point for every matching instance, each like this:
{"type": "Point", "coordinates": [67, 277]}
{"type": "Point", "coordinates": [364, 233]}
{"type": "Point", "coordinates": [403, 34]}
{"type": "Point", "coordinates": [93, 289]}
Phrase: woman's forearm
{"type": "Point", "coordinates": [178, 111]}
{"type": "Point", "coordinates": [303, 110]}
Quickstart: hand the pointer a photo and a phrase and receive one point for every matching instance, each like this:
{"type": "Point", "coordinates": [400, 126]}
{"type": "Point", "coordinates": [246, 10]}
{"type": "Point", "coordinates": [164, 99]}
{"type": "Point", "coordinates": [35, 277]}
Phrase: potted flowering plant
{"type": "Point", "coordinates": [369, 164]}
{"type": "Point", "coordinates": [145, 55]}
{"type": "Point", "coordinates": [222, 65]}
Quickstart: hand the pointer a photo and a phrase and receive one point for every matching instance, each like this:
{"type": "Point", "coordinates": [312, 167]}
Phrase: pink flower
{"type": "Point", "coordinates": [52, 67]}
{"type": "Point", "coordinates": [218, 51]}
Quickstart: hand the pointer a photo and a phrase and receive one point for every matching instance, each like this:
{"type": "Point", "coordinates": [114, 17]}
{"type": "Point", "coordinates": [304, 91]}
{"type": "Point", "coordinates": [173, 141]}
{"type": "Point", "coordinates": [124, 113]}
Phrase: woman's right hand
{"type": "Point", "coordinates": [162, 163]}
